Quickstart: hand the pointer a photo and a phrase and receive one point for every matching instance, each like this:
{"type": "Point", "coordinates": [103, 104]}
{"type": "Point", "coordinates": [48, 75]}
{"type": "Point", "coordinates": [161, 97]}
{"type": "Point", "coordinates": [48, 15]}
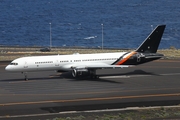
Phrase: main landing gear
{"type": "Point", "coordinates": [84, 72]}
{"type": "Point", "coordinates": [93, 75]}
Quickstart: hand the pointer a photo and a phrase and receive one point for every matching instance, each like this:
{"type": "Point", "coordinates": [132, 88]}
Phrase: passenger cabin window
{"type": "Point", "coordinates": [63, 61]}
{"type": "Point", "coordinates": [44, 62]}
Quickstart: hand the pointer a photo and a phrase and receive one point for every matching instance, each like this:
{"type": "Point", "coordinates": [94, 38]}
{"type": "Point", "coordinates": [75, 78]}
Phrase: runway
{"type": "Point", "coordinates": [154, 83]}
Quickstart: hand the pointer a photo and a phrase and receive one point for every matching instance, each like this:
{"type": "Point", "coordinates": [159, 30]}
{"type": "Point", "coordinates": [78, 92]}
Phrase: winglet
{"type": "Point", "coordinates": [151, 43]}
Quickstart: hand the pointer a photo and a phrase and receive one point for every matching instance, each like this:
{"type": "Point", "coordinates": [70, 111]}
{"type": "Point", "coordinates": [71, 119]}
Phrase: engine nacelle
{"type": "Point", "coordinates": [74, 73]}
{"type": "Point", "coordinates": [79, 72]}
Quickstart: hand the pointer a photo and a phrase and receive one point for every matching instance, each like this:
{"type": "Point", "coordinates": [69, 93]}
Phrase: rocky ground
{"type": "Point", "coordinates": [11, 53]}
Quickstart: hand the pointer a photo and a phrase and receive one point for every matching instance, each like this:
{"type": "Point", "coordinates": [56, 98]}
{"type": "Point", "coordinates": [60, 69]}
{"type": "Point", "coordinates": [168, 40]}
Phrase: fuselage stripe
{"type": "Point", "coordinates": [125, 59]}
{"type": "Point", "coordinates": [120, 58]}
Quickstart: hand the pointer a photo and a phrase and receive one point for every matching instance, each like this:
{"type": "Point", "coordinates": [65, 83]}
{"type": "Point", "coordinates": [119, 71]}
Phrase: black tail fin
{"type": "Point", "coordinates": [151, 43]}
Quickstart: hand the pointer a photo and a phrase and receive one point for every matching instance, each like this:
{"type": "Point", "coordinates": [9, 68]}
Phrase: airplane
{"type": "Point", "coordinates": [87, 64]}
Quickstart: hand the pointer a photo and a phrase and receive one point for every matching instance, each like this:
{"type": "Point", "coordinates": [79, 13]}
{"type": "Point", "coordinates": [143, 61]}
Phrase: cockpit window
{"type": "Point", "coordinates": [13, 63]}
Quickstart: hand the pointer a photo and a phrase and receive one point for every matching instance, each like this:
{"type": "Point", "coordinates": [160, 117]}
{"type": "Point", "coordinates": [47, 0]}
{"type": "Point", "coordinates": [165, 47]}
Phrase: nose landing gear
{"type": "Point", "coordinates": [25, 76]}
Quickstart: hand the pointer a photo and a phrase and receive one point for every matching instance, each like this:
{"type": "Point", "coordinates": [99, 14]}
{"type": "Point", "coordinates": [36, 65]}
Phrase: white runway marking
{"type": "Point", "coordinates": [123, 76]}
{"type": "Point", "coordinates": [90, 111]}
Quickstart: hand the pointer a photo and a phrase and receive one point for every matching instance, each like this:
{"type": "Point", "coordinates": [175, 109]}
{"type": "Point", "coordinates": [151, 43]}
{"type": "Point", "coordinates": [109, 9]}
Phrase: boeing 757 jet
{"type": "Point", "coordinates": [80, 64]}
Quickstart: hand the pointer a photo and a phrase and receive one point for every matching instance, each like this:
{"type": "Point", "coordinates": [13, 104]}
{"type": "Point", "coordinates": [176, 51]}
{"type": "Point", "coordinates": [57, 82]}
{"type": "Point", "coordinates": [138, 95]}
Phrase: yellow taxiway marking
{"type": "Point", "coordinates": [90, 99]}
{"type": "Point", "coordinates": [88, 93]}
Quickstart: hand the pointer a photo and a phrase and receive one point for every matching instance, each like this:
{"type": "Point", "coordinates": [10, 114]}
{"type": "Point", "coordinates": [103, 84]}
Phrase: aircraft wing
{"type": "Point", "coordinates": [97, 66]}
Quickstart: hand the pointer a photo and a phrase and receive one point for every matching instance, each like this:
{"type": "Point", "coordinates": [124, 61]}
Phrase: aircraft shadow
{"type": "Point", "coordinates": [135, 72]}
{"type": "Point", "coordinates": [67, 75]}
{"type": "Point", "coordinates": [85, 78]}
{"type": "Point", "coordinates": [101, 79]}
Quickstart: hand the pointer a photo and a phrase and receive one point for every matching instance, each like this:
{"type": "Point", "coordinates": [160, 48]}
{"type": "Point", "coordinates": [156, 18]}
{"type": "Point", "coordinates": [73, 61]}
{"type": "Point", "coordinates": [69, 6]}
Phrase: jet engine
{"type": "Point", "coordinates": [79, 72]}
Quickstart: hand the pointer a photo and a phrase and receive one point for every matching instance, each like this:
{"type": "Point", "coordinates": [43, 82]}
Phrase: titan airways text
{"type": "Point", "coordinates": [87, 64]}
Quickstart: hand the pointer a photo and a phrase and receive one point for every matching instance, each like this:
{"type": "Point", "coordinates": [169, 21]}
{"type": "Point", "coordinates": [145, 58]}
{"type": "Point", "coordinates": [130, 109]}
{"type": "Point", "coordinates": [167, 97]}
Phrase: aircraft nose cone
{"type": "Point", "coordinates": [8, 68]}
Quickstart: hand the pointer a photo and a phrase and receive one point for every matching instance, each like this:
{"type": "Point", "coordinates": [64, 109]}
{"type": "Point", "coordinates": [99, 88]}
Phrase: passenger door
{"type": "Point", "coordinates": [25, 65]}
{"type": "Point", "coordinates": [56, 63]}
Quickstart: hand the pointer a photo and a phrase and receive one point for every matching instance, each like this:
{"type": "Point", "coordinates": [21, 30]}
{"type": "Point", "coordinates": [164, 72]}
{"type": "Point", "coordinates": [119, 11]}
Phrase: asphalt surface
{"type": "Point", "coordinates": [151, 84]}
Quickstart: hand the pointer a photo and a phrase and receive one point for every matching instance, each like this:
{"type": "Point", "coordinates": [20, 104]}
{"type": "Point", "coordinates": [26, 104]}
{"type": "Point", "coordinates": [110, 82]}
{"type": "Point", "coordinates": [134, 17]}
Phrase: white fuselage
{"type": "Point", "coordinates": [61, 62]}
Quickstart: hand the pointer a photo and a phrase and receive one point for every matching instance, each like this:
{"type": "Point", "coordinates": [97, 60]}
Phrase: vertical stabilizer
{"type": "Point", "coordinates": [151, 43]}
